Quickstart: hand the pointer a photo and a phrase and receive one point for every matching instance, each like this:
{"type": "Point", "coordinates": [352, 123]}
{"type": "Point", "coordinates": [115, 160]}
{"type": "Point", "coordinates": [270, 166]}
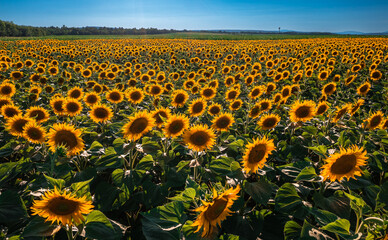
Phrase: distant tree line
{"type": "Point", "coordinates": [10, 29]}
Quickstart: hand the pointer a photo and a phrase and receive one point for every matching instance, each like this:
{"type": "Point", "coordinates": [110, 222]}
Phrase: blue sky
{"type": "Point", "coordinates": [324, 15]}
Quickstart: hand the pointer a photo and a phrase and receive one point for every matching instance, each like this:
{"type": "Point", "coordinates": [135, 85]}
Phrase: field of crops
{"type": "Point", "coordinates": [194, 139]}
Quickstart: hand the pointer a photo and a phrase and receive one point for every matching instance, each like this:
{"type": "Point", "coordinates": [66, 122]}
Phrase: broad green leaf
{"type": "Point", "coordinates": [12, 207]}
{"type": "Point", "coordinates": [59, 183]}
{"type": "Point", "coordinates": [81, 188]}
{"type": "Point", "coordinates": [307, 174]}
{"type": "Point", "coordinates": [38, 227]}
{"type": "Point", "coordinates": [340, 226]}
{"type": "Point", "coordinates": [287, 199]}
{"type": "Point", "coordinates": [260, 191]}
{"type": "Point", "coordinates": [292, 230]}
{"type": "Point", "coordinates": [98, 226]}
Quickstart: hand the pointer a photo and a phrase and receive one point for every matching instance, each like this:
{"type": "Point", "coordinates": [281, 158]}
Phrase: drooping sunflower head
{"type": "Point", "coordinates": [256, 154]}
{"type": "Point", "coordinates": [197, 107]}
{"type": "Point", "coordinates": [34, 132]}
{"type": "Point", "coordinates": [223, 122]}
{"type": "Point", "coordinates": [161, 115]}
{"type": "Point", "coordinates": [138, 125]}
{"type": "Point", "coordinates": [66, 135]}
{"type": "Point", "coordinates": [268, 121]}
{"type": "Point", "coordinates": [345, 164]}
{"type": "Point", "coordinates": [302, 111]}
{"type": "Point", "coordinates": [62, 208]}
{"type": "Point", "coordinates": [354, 108]}
{"type": "Point", "coordinates": [179, 98]}
{"type": "Point", "coordinates": [214, 212]}
{"type": "Point", "coordinates": [375, 120]}
{"type": "Point", "coordinates": [115, 96]}
{"type": "Point", "coordinates": [38, 113]}
{"type": "Point", "coordinates": [72, 107]}
{"type": "Point", "coordinates": [199, 138]}
{"type": "Point", "coordinates": [176, 125]}
{"type": "Point", "coordinates": [350, 79]}
{"type": "Point", "coordinates": [15, 125]}
{"type": "Point", "coordinates": [100, 113]}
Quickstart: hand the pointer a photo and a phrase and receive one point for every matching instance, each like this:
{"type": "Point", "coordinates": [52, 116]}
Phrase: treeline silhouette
{"type": "Point", "coordinates": [10, 29]}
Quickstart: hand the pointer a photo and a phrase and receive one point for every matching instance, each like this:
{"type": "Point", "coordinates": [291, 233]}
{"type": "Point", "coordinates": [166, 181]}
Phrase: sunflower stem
{"type": "Point", "coordinates": [69, 233]}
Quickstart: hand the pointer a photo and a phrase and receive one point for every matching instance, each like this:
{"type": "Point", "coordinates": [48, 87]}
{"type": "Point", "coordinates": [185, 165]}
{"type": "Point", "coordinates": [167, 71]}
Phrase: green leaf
{"type": "Point", "coordinates": [292, 230]}
{"type": "Point", "coordinates": [81, 188]}
{"type": "Point", "coordinates": [287, 199]}
{"type": "Point", "coordinates": [145, 164]}
{"type": "Point", "coordinates": [98, 226]}
{"type": "Point", "coordinates": [38, 227]}
{"type": "Point", "coordinates": [323, 217]}
{"type": "Point", "coordinates": [12, 207]}
{"type": "Point", "coordinates": [187, 195]}
{"type": "Point", "coordinates": [95, 146]}
{"type": "Point", "coordinates": [337, 203]}
{"type": "Point", "coordinates": [59, 183]}
{"type": "Point", "coordinates": [340, 226]}
{"type": "Point", "coordinates": [307, 174]}
{"type": "Point", "coordinates": [382, 196]}
{"type": "Point", "coordinates": [320, 150]}
{"type": "Point", "coordinates": [260, 191]}
{"type": "Point", "coordinates": [223, 166]}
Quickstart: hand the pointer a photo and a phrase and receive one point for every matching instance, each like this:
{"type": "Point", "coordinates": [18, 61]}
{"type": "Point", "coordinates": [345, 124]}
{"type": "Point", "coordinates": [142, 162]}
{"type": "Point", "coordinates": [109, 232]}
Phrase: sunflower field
{"type": "Point", "coordinates": [194, 139]}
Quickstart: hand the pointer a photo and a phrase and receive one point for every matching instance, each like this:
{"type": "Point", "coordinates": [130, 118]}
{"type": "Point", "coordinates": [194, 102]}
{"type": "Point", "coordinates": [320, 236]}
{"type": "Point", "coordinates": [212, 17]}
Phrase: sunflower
{"type": "Point", "coordinates": [160, 115]}
{"type": "Point", "coordinates": [38, 113]}
{"type": "Point", "coordinates": [62, 208]}
{"type": "Point", "coordinates": [208, 93]}
{"type": "Point", "coordinates": [297, 77]}
{"type": "Point", "coordinates": [214, 212]}
{"type": "Point", "coordinates": [256, 154]}
{"type": "Point", "coordinates": [350, 79]}
{"type": "Point", "coordinates": [66, 135]}
{"type": "Point", "coordinates": [336, 78]}
{"type": "Point", "coordinates": [7, 89]}
{"type": "Point", "coordinates": [329, 89]}
{"type": "Point", "coordinates": [72, 107]}
{"type": "Point", "coordinates": [255, 111]}
{"type": "Point", "coordinates": [268, 121]}
{"type": "Point", "coordinates": [232, 94]}
{"type": "Point", "coordinates": [114, 96]}
{"type": "Point", "coordinates": [179, 98]}
{"type": "Point", "coordinates": [302, 111]}
{"type": "Point", "coordinates": [199, 138]}
{"type": "Point", "coordinates": [53, 71]}
{"type": "Point", "coordinates": [323, 75]}
{"type": "Point", "coordinates": [341, 111]}
{"type": "Point", "coordinates": [345, 164]}
{"type": "Point", "coordinates": [256, 92]}
{"type": "Point", "coordinates": [16, 75]}
{"type": "Point", "coordinates": [197, 107]}
{"type": "Point", "coordinates": [214, 109]}
{"type": "Point", "coordinates": [363, 89]}
{"type": "Point", "coordinates": [15, 125]}
{"type": "Point", "coordinates": [375, 120]}
{"type": "Point", "coordinates": [286, 91]}
{"type": "Point", "coordinates": [235, 105]}
{"type": "Point", "coordinates": [34, 133]}
{"type": "Point", "coordinates": [91, 98]}
{"type": "Point", "coordinates": [176, 125]}
{"type": "Point", "coordinates": [138, 125]}
{"type": "Point", "coordinates": [57, 104]}
{"type": "Point", "coordinates": [353, 109]}
{"type": "Point", "coordinates": [270, 88]}
{"type": "Point", "coordinates": [100, 113]}
{"type": "Point", "coordinates": [223, 122]}
{"type": "Point", "coordinates": [75, 93]}
{"type": "Point", "coordinates": [10, 110]}
{"type": "Point", "coordinates": [375, 75]}
{"type": "Point", "coordinates": [155, 90]}
{"type": "Point", "coordinates": [321, 108]}
{"type": "Point", "coordinates": [86, 73]}
{"type": "Point", "coordinates": [135, 95]}
{"type": "Point", "coordinates": [4, 101]}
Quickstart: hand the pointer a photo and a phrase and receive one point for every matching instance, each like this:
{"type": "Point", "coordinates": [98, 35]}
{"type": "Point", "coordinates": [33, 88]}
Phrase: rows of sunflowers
{"type": "Point", "coordinates": [194, 139]}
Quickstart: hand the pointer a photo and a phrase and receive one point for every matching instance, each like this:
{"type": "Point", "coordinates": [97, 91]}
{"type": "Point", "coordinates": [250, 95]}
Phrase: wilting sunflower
{"type": "Point", "coordinates": [176, 125]}
{"type": "Point", "coordinates": [199, 138]}
{"type": "Point", "coordinates": [302, 111]}
{"type": "Point", "coordinates": [375, 120]}
{"type": "Point", "coordinates": [75, 93]}
{"type": "Point", "coordinates": [214, 212]}
{"type": "Point", "coordinates": [72, 107]}
{"type": "Point", "coordinates": [34, 133]}
{"type": "Point", "coordinates": [7, 89]}
{"type": "Point", "coordinates": [15, 125]}
{"type": "Point", "coordinates": [179, 98]}
{"type": "Point", "coordinates": [268, 121]}
{"type": "Point", "coordinates": [353, 109]}
{"type": "Point", "coordinates": [321, 108]}
{"type": "Point", "coordinates": [375, 75]}
{"type": "Point", "coordinates": [91, 99]}
{"type": "Point", "coordinates": [341, 111]}
{"type": "Point", "coordinates": [115, 96]}
{"type": "Point", "coordinates": [10, 110]}
{"type": "Point", "coordinates": [363, 89]}
{"type": "Point", "coordinates": [235, 105]}
{"type": "Point", "coordinates": [329, 89]}
{"type": "Point", "coordinates": [62, 208]}
{"type": "Point", "coordinates": [57, 104]}
{"type": "Point", "coordinates": [208, 93]}
{"type": "Point", "coordinates": [100, 113]}
{"type": "Point", "coordinates": [214, 109]}
{"type": "Point", "coordinates": [63, 134]}
{"type": "Point", "coordinates": [345, 164]}
{"type": "Point", "coordinates": [160, 115]}
{"type": "Point", "coordinates": [138, 125]}
{"type": "Point", "coordinates": [223, 122]}
{"type": "Point", "coordinates": [38, 113]}
{"type": "Point", "coordinates": [197, 107]}
{"type": "Point", "coordinates": [135, 95]}
{"type": "Point", "coordinates": [256, 154]}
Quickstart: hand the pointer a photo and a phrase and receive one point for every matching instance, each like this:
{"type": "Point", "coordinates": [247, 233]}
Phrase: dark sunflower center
{"type": "Point", "coordinates": [5, 90]}
{"type": "Point", "coordinates": [341, 113]}
{"type": "Point", "coordinates": [255, 92]}
{"type": "Point", "coordinates": [215, 210]}
{"type": "Point", "coordinates": [101, 112]}
{"type": "Point", "coordinates": [286, 92]}
{"type": "Point", "coordinates": [58, 106]}
{"type": "Point", "coordinates": [10, 112]}
{"type": "Point", "coordinates": [255, 111]}
{"type": "Point", "coordinates": [375, 121]}
{"type": "Point", "coordinates": [155, 90]}
{"type": "Point", "coordinates": [138, 125]}
{"type": "Point", "coordinates": [91, 99]}
{"type": "Point", "coordinates": [158, 116]}
{"type": "Point", "coordinates": [223, 122]}
{"type": "Point", "coordinates": [236, 105]}
{"type": "Point", "coordinates": [62, 206]}
{"type": "Point", "coordinates": [3, 102]}
{"type": "Point", "coordinates": [65, 138]}
{"type": "Point", "coordinates": [18, 125]}
{"type": "Point", "coordinates": [176, 126]}
{"type": "Point", "coordinates": [34, 133]}
{"type": "Point", "coordinates": [364, 88]}
{"type": "Point", "coordinates": [72, 107]}
{"type": "Point", "coordinates": [135, 95]}
{"type": "Point", "coordinates": [208, 92]}
{"type": "Point", "coordinates": [115, 96]}
{"type": "Point", "coordinates": [375, 75]}
{"type": "Point", "coordinates": [329, 88]}
{"type": "Point", "coordinates": [179, 98]}
{"type": "Point", "coordinates": [17, 75]}
{"type": "Point", "coordinates": [257, 153]}
{"type": "Point", "coordinates": [37, 114]}
{"type": "Point", "coordinates": [323, 75]}
{"type": "Point", "coordinates": [344, 164]}
{"type": "Point", "coordinates": [75, 94]}
{"type": "Point", "coordinates": [199, 138]}
{"type": "Point", "coordinates": [303, 111]}
{"type": "Point", "coordinates": [321, 109]}
{"type": "Point", "coordinates": [197, 107]}
{"type": "Point", "coordinates": [269, 122]}
{"type": "Point", "coordinates": [215, 110]}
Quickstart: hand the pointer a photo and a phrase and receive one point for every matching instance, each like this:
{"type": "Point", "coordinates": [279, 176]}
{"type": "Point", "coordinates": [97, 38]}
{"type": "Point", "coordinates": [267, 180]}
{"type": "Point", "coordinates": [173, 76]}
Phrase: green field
{"type": "Point", "coordinates": [192, 35]}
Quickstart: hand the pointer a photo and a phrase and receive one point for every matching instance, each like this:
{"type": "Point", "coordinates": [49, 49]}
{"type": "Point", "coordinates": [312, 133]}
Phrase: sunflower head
{"type": "Point", "coordinates": [302, 111]}
{"type": "Point", "coordinates": [100, 113]}
{"type": "Point", "coordinates": [10, 110]}
{"type": "Point", "coordinates": [34, 133]}
{"type": "Point", "coordinates": [160, 115]}
{"type": "Point", "coordinates": [135, 95]}
{"type": "Point", "coordinates": [321, 108]}
{"type": "Point", "coordinates": [16, 124]}
{"type": "Point", "coordinates": [72, 107]}
{"type": "Point", "coordinates": [75, 93]}
{"type": "Point", "coordinates": [199, 138]}
{"type": "Point", "coordinates": [345, 164]}
{"type": "Point", "coordinates": [7, 90]}
{"type": "Point", "coordinates": [375, 120]}
{"type": "Point", "coordinates": [138, 125]}
{"type": "Point", "coordinates": [329, 88]}
{"type": "Point", "coordinates": [214, 109]}
{"type": "Point", "coordinates": [57, 104]}
{"type": "Point", "coordinates": [115, 96]}
{"type": "Point", "coordinates": [256, 154]}
{"type": "Point", "coordinates": [363, 89]}
{"type": "Point", "coordinates": [179, 98]}
{"type": "Point", "coordinates": [222, 122]}
{"type": "Point", "coordinates": [38, 113]}
{"type": "Point", "coordinates": [268, 121]}
{"type": "Point", "coordinates": [91, 98]}
{"type": "Point", "coordinates": [197, 107]}
{"type": "Point", "coordinates": [176, 125]}
{"type": "Point", "coordinates": [341, 111]}
{"type": "Point", "coordinates": [66, 135]}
